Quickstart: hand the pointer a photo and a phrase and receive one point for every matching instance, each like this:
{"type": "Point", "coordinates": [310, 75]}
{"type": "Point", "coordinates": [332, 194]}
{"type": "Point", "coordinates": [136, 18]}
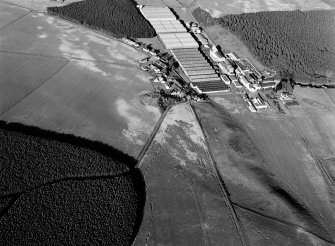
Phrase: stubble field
{"type": "Point", "coordinates": [63, 77]}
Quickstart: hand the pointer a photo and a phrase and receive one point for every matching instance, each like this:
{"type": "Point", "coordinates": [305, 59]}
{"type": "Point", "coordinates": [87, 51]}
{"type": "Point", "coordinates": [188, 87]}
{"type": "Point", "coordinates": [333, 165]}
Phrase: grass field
{"type": "Point", "coordinates": [39, 34]}
{"type": "Point", "coordinates": [63, 77]}
{"type": "Point", "coordinates": [9, 13]}
{"type": "Point", "coordinates": [266, 231]}
{"type": "Point", "coordinates": [184, 205]}
{"type": "Point", "coordinates": [218, 8]}
{"type": "Point", "coordinates": [269, 178]}
{"type": "Point", "coordinates": [38, 5]}
{"type": "Point", "coordinates": [316, 116]}
{"type": "Point", "coordinates": [59, 189]}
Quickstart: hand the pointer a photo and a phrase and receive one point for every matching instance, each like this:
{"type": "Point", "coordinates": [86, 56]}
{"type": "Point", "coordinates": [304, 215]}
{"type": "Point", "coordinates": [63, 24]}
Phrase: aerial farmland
{"type": "Point", "coordinates": [69, 72]}
{"type": "Point", "coordinates": [157, 133]}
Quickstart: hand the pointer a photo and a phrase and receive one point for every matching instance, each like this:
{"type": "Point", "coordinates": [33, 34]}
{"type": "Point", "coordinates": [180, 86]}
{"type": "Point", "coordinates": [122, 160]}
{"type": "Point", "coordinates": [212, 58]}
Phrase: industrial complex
{"type": "Point", "coordinates": [206, 69]}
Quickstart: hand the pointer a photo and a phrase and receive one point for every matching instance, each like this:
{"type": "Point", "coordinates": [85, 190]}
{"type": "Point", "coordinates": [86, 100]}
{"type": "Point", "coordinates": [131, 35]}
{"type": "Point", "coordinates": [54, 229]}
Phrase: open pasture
{"type": "Point", "coordinates": [316, 116]}
{"type": "Point", "coordinates": [184, 205]}
{"type": "Point", "coordinates": [292, 163]}
{"type": "Point", "coordinates": [39, 5]}
{"type": "Point", "coordinates": [100, 105]}
{"type": "Point", "coordinates": [262, 173]}
{"type": "Point", "coordinates": [264, 231]}
{"type": "Point", "coordinates": [63, 77]}
{"type": "Point", "coordinates": [219, 8]}
{"type": "Point", "coordinates": [10, 13]}
{"type": "Point", "coordinates": [40, 34]}
{"type": "Point", "coordinates": [21, 74]}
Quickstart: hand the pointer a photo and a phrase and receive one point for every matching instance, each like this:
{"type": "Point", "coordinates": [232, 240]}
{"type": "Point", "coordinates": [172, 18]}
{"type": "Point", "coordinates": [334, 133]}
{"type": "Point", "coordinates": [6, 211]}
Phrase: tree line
{"type": "Point", "coordinates": [298, 42]}
{"type": "Point", "coordinates": [119, 18]}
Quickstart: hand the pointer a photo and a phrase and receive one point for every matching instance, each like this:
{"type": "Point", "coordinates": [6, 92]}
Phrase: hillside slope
{"type": "Point", "coordinates": [275, 185]}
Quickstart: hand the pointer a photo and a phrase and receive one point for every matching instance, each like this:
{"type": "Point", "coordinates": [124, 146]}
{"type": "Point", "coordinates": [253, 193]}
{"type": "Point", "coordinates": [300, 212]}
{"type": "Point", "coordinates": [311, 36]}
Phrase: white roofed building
{"type": "Point", "coordinates": [157, 13]}
{"type": "Point", "coordinates": [178, 40]}
{"type": "Point", "coordinates": [166, 26]}
{"type": "Point", "coordinates": [216, 54]}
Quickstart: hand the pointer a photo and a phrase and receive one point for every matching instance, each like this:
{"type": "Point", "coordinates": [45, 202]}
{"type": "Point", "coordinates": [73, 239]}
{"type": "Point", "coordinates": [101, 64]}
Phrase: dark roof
{"type": "Point", "coordinates": [268, 84]}
{"type": "Point", "coordinates": [268, 80]}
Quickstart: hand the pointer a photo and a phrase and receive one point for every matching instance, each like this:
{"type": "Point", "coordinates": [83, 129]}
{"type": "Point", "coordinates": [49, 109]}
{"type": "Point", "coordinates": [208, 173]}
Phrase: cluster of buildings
{"type": "Point", "coordinates": [241, 72]}
{"type": "Point", "coordinates": [206, 68]}
{"type": "Point", "coordinates": [183, 40]}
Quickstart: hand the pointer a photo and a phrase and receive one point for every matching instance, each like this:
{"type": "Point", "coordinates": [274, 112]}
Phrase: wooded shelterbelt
{"type": "Point", "coordinates": [297, 42]}
{"type": "Point", "coordinates": [119, 18]}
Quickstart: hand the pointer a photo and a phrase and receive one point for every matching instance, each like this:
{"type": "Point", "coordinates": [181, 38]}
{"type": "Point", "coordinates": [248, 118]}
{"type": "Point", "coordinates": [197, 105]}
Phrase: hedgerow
{"type": "Point", "coordinates": [118, 18]}
{"type": "Point", "coordinates": [297, 42]}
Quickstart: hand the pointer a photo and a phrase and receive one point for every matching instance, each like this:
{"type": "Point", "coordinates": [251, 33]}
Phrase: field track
{"type": "Point", "coordinates": [152, 137]}
{"type": "Point", "coordinates": [322, 169]}
{"type": "Point", "coordinates": [314, 213]}
{"type": "Point", "coordinates": [30, 92]}
{"type": "Point", "coordinates": [224, 193]}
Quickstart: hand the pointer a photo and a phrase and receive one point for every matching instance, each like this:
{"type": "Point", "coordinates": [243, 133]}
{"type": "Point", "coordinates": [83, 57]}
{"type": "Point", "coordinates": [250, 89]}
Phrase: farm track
{"type": "Point", "coordinates": [72, 58]}
{"type": "Point", "coordinates": [152, 137]}
{"type": "Point", "coordinates": [36, 88]}
{"type": "Point", "coordinates": [286, 223]}
{"type": "Point", "coordinates": [322, 169]}
{"type": "Point", "coordinates": [286, 187]}
{"type": "Point", "coordinates": [20, 6]}
{"type": "Point", "coordinates": [223, 190]}
{"type": "Point", "coordinates": [17, 19]}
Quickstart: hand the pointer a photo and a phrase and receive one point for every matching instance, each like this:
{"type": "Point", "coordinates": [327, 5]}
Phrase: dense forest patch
{"type": "Point", "coordinates": [292, 42]}
{"type": "Point", "coordinates": [58, 189]}
{"type": "Point", "coordinates": [118, 18]}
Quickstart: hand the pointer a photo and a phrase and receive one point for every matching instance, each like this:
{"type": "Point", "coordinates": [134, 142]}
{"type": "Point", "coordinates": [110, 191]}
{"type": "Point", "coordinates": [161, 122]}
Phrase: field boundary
{"type": "Point", "coordinates": [322, 169]}
{"type": "Point", "coordinates": [29, 93]}
{"type": "Point", "coordinates": [223, 190]}
{"type": "Point", "coordinates": [17, 19]}
{"type": "Point", "coordinates": [72, 58]}
{"type": "Point", "coordinates": [152, 136]}
{"type": "Point", "coordinates": [286, 223]}
{"type": "Point", "coordinates": [286, 187]}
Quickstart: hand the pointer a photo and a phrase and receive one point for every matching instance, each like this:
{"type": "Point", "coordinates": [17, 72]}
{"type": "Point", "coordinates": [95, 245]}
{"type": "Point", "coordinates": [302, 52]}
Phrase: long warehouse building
{"type": "Point", "coordinates": [201, 72]}
{"type": "Point", "coordinates": [178, 40]}
{"type": "Point", "coordinates": [157, 13]}
{"type": "Point", "coordinates": [209, 87]}
{"type": "Point", "coordinates": [167, 26]}
{"type": "Point", "coordinates": [197, 68]}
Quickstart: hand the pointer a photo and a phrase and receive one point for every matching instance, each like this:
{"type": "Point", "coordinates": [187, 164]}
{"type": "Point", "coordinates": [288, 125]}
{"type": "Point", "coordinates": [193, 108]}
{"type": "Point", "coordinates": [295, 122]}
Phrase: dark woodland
{"type": "Point", "coordinates": [58, 189]}
{"type": "Point", "coordinates": [119, 18]}
{"type": "Point", "coordinates": [300, 43]}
